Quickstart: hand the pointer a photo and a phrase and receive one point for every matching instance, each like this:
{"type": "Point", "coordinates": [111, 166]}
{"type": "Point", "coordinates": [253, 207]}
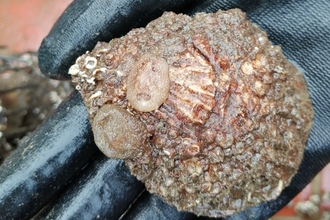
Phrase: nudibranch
{"type": "Point", "coordinates": [148, 83]}
{"type": "Point", "coordinates": [204, 110]}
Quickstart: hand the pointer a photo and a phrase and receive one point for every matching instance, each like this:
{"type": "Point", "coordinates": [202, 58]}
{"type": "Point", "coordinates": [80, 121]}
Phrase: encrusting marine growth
{"type": "Point", "coordinates": [204, 110]}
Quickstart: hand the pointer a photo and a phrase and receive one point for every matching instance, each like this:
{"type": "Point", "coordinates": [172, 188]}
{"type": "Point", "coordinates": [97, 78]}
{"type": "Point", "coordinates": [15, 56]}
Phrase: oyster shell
{"type": "Point", "coordinates": [232, 128]}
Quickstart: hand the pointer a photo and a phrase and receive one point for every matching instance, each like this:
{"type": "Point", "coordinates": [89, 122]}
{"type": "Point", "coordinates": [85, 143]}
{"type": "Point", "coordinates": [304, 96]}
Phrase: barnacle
{"type": "Point", "coordinates": [204, 110]}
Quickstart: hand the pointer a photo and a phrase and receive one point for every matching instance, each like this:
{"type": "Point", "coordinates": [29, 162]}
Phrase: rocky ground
{"type": "Point", "coordinates": [26, 98]}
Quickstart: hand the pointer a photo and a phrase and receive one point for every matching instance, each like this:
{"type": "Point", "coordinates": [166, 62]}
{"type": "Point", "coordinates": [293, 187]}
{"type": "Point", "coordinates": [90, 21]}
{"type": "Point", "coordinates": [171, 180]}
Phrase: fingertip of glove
{"type": "Point", "coordinates": [49, 62]}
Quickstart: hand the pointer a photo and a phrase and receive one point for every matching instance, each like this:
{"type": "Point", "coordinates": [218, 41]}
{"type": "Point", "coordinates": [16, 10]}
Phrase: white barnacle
{"type": "Point", "coordinates": [104, 50]}
{"type": "Point", "coordinates": [103, 69]}
{"type": "Point", "coordinates": [78, 59]}
{"type": "Point", "coordinates": [167, 152]}
{"type": "Point", "coordinates": [247, 68]}
{"type": "Point", "coordinates": [78, 87]}
{"type": "Point", "coordinates": [81, 73]}
{"type": "Point", "coordinates": [91, 80]}
{"type": "Point", "coordinates": [90, 62]}
{"type": "Point", "coordinates": [280, 185]}
{"type": "Point", "coordinates": [278, 69]}
{"type": "Point", "coordinates": [119, 73]}
{"type": "Point", "coordinates": [100, 52]}
{"type": "Point", "coordinates": [95, 95]}
{"type": "Point", "coordinates": [74, 69]}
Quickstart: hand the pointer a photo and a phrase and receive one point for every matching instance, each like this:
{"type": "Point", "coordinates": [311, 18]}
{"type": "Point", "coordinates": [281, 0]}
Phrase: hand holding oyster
{"type": "Point", "coordinates": [204, 110]}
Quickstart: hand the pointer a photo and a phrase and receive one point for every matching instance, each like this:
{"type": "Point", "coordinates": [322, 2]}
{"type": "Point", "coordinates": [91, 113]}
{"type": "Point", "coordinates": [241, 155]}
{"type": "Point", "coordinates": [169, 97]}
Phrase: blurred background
{"type": "Point", "coordinates": [27, 97]}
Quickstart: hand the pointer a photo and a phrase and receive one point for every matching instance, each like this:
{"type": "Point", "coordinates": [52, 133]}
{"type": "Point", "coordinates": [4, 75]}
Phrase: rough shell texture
{"type": "Point", "coordinates": [233, 129]}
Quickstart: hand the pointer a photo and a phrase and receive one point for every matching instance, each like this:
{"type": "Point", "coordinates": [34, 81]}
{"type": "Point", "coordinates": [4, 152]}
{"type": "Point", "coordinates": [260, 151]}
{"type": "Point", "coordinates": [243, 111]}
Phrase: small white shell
{"type": "Point", "coordinates": [90, 62]}
{"type": "Point", "coordinates": [95, 95]}
{"type": "Point", "coordinates": [74, 70]}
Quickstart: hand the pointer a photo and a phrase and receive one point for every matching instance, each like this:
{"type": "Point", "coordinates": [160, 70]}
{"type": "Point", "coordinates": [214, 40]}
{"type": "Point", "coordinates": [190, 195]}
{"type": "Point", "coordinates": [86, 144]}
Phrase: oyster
{"type": "Point", "coordinates": [204, 110]}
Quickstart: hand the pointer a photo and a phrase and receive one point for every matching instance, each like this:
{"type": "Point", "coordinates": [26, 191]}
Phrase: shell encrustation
{"type": "Point", "coordinates": [204, 110]}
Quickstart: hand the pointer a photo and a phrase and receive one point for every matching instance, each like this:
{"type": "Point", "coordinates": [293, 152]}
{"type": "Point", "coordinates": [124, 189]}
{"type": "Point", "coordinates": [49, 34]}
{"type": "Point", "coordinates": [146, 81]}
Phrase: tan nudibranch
{"type": "Point", "coordinates": [148, 85]}
{"type": "Point", "coordinates": [204, 110]}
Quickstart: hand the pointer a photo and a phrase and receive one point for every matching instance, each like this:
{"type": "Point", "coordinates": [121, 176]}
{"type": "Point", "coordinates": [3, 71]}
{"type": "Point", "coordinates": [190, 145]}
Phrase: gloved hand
{"type": "Point", "coordinates": [58, 151]}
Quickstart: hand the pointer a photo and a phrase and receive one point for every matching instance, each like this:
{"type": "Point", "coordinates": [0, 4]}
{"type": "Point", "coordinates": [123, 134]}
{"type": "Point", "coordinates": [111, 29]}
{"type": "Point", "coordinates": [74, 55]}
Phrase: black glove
{"type": "Point", "coordinates": [59, 149]}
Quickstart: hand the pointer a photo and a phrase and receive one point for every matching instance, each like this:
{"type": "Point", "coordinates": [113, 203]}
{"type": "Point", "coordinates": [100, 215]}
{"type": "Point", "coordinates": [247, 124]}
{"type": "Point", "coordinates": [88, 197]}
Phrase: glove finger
{"type": "Point", "coordinates": [40, 167]}
{"type": "Point", "coordinates": [84, 23]}
{"type": "Point", "coordinates": [104, 190]}
{"type": "Point", "coordinates": [151, 207]}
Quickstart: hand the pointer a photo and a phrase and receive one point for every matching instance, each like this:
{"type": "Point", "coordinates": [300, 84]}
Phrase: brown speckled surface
{"type": "Point", "coordinates": [232, 131]}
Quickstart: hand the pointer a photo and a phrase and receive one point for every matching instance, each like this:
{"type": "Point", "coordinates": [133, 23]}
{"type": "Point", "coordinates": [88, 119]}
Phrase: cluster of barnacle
{"type": "Point", "coordinates": [90, 63]}
{"type": "Point", "coordinates": [204, 110]}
